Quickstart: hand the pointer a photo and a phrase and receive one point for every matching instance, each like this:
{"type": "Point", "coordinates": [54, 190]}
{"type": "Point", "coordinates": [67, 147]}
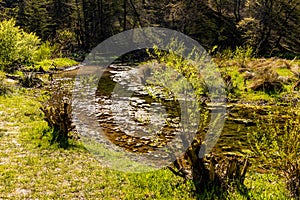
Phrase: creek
{"type": "Point", "coordinates": [129, 125]}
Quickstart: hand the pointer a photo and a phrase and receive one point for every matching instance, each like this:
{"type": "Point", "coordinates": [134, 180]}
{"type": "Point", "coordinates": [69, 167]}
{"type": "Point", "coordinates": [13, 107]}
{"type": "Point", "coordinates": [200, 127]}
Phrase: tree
{"type": "Point", "coordinates": [269, 26]}
{"type": "Point", "coordinates": [8, 9]}
{"type": "Point", "coordinates": [276, 24]}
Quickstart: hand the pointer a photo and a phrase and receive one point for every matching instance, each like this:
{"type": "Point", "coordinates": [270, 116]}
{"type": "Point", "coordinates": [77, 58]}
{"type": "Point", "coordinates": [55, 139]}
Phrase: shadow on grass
{"type": "Point", "coordinates": [65, 141]}
{"type": "Point", "coordinates": [217, 192]}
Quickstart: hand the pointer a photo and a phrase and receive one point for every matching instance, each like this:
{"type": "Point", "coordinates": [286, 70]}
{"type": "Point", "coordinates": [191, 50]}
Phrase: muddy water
{"type": "Point", "coordinates": [137, 122]}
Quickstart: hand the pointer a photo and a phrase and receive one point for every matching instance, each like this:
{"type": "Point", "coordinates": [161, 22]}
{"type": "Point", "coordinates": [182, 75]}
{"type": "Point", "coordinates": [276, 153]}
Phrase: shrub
{"type": "Point", "coordinates": [250, 29]}
{"type": "Point", "coordinates": [43, 52]}
{"type": "Point", "coordinates": [234, 81]}
{"type": "Point", "coordinates": [243, 53]}
{"type": "Point", "coordinates": [207, 173]}
{"type": "Point", "coordinates": [55, 64]}
{"type": "Point", "coordinates": [16, 47]}
{"type": "Point", "coordinates": [225, 54]}
{"type": "Point", "coordinates": [64, 42]}
{"type": "Point", "coordinates": [277, 143]}
{"type": "Point", "coordinates": [240, 53]}
{"type": "Point", "coordinates": [58, 114]}
{"type": "Point", "coordinates": [169, 62]}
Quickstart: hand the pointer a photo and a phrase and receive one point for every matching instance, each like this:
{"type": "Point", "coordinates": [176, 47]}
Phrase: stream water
{"type": "Point", "coordinates": [129, 125]}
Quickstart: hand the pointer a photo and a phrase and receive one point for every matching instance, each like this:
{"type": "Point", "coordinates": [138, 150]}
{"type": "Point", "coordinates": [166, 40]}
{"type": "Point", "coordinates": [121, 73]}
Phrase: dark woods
{"type": "Point", "coordinates": [270, 27]}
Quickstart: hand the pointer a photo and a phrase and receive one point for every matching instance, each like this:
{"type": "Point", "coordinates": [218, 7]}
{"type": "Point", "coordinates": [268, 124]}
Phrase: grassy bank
{"type": "Point", "coordinates": [261, 81]}
{"type": "Point", "coordinates": [31, 168]}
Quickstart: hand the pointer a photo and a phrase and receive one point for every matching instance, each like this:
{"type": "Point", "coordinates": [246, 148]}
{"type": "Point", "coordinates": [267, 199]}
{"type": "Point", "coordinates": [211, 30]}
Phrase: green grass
{"type": "Point", "coordinates": [116, 160]}
{"type": "Point", "coordinates": [242, 90]}
{"type": "Point", "coordinates": [31, 168]}
{"type": "Point", "coordinates": [284, 72]}
{"type": "Point", "coordinates": [255, 96]}
{"type": "Point", "coordinates": [59, 63]}
{"type": "Point", "coordinates": [262, 187]}
{"type": "Point", "coordinates": [237, 77]}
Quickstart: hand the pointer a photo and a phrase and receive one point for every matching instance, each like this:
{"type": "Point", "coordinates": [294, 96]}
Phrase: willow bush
{"type": "Point", "coordinates": [209, 173]}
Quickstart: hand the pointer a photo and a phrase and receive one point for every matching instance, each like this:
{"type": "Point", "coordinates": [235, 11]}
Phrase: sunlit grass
{"type": "Point", "coordinates": [256, 96]}
{"type": "Point", "coordinates": [57, 63]}
{"type": "Point", "coordinates": [262, 187]}
{"type": "Point", "coordinates": [242, 88]}
{"type": "Point", "coordinates": [284, 72]}
{"type": "Point", "coordinates": [31, 168]}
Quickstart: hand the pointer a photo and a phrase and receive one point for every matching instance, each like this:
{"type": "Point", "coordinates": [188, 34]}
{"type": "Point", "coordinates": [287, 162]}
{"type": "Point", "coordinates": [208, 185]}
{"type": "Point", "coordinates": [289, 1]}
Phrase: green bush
{"type": "Point", "coordinates": [240, 53]}
{"type": "Point", "coordinates": [277, 145]}
{"type": "Point", "coordinates": [170, 62]}
{"type": "Point", "coordinates": [209, 174]}
{"type": "Point", "coordinates": [243, 53]}
{"type": "Point", "coordinates": [64, 43]}
{"type": "Point", "coordinates": [16, 46]}
{"type": "Point", "coordinates": [43, 52]}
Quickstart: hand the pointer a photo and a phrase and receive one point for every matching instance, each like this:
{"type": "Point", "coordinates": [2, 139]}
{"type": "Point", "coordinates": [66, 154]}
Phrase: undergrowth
{"type": "Point", "coordinates": [276, 144]}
